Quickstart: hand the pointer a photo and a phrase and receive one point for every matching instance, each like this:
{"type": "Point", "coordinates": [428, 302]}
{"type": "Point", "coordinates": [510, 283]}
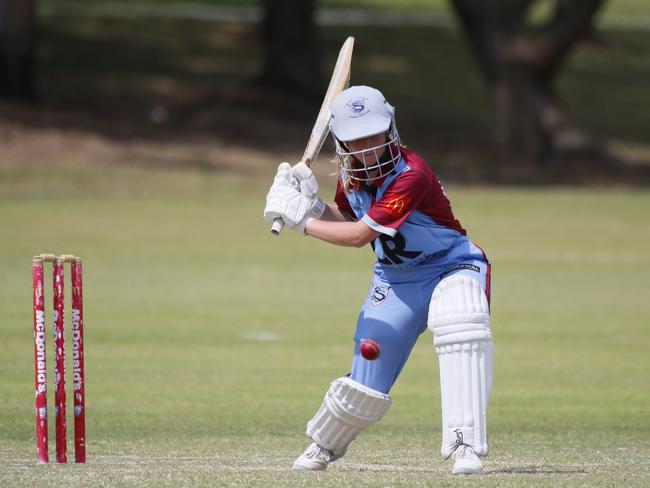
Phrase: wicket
{"type": "Point", "coordinates": [40, 363]}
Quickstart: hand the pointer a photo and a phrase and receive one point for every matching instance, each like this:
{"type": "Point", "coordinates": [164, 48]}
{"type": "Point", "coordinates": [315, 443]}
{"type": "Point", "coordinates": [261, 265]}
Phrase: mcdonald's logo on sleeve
{"type": "Point", "coordinates": [397, 205]}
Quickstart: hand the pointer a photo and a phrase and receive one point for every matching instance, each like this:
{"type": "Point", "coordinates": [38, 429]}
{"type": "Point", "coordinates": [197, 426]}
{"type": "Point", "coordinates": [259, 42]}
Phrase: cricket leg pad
{"type": "Point", "coordinates": [459, 317]}
{"type": "Point", "coordinates": [347, 409]}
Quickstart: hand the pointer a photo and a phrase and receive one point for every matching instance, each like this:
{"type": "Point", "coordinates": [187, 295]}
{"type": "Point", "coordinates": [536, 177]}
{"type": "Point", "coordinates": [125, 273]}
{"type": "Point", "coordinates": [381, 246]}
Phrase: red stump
{"type": "Point", "coordinates": [40, 363]}
{"type": "Point", "coordinates": [59, 364]}
{"type": "Point", "coordinates": [78, 363]}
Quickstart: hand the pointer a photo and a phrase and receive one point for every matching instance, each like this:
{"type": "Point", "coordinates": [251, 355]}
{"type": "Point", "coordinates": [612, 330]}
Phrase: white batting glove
{"type": "Point", "coordinates": [283, 179]}
{"type": "Point", "coordinates": [301, 227]}
{"type": "Point", "coordinates": [276, 200]}
{"type": "Point", "coordinates": [292, 197]}
{"type": "Point", "coordinates": [306, 178]}
{"type": "Point", "coordinates": [309, 188]}
{"type": "Point", "coordinates": [294, 208]}
{"type": "Point", "coordinates": [285, 176]}
{"type": "Point", "coordinates": [300, 210]}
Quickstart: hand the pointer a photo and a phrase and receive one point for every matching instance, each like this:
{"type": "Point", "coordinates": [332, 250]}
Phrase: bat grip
{"type": "Point", "coordinates": [277, 226]}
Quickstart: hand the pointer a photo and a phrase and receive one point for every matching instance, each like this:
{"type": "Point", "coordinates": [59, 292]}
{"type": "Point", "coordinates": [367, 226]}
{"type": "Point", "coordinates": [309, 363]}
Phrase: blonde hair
{"type": "Point", "coordinates": [338, 172]}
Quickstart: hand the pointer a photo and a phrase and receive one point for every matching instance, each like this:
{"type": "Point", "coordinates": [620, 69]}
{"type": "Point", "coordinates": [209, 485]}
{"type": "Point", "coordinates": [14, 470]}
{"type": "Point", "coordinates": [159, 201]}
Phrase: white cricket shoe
{"type": "Point", "coordinates": [315, 458]}
{"type": "Point", "coordinates": [467, 462]}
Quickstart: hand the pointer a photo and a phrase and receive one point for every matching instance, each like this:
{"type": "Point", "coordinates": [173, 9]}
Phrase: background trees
{"type": "Point", "coordinates": [520, 60]}
{"type": "Point", "coordinates": [167, 59]}
{"type": "Point", "coordinates": [17, 48]}
{"type": "Point", "coordinates": [518, 57]}
{"type": "Point", "coordinates": [291, 50]}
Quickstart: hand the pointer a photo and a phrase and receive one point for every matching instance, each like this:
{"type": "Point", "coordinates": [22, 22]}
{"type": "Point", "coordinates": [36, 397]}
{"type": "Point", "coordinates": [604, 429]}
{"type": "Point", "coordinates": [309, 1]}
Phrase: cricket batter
{"type": "Point", "coordinates": [427, 274]}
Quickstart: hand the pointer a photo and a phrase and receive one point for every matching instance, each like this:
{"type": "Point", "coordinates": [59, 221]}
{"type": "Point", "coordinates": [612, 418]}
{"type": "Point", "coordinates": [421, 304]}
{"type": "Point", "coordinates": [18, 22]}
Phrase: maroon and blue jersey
{"type": "Point", "coordinates": [410, 210]}
{"type": "Point", "coordinates": [421, 243]}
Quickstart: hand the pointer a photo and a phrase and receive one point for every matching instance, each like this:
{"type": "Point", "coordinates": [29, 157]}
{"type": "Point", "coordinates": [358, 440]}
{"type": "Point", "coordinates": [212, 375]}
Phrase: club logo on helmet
{"type": "Point", "coordinates": [357, 107]}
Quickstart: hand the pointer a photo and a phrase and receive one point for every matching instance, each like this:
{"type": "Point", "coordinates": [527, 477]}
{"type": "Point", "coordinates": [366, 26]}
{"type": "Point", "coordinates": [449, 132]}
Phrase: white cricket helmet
{"type": "Point", "coordinates": [357, 113]}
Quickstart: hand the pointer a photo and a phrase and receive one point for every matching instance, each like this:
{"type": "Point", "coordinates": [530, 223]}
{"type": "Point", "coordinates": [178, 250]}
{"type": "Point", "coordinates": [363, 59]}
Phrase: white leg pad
{"type": "Point", "coordinates": [348, 408]}
{"type": "Point", "coordinates": [459, 318]}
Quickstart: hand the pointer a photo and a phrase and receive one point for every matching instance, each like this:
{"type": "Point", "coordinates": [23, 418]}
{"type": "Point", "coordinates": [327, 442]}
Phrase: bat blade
{"type": "Point", "coordinates": [338, 82]}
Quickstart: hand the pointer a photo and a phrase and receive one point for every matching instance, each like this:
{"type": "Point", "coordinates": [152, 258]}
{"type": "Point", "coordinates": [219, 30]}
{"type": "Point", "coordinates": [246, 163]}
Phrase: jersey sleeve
{"type": "Point", "coordinates": [397, 203]}
{"type": "Point", "coordinates": [342, 201]}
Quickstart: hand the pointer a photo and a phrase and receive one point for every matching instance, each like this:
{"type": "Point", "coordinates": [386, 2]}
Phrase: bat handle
{"type": "Point", "coordinates": [277, 226]}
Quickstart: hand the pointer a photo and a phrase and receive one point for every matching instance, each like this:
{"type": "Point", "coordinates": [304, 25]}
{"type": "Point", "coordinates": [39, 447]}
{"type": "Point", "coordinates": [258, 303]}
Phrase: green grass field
{"type": "Point", "coordinates": [209, 343]}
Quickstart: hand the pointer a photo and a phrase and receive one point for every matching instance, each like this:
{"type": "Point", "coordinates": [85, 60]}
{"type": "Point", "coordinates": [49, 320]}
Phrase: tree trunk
{"type": "Point", "coordinates": [532, 118]}
{"type": "Point", "coordinates": [17, 49]}
{"type": "Point", "coordinates": [520, 65]}
{"type": "Point", "coordinates": [292, 60]}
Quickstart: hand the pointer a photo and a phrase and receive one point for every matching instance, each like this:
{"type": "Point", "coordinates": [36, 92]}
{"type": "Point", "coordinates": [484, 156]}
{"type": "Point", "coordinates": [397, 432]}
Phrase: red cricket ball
{"type": "Point", "coordinates": [370, 349]}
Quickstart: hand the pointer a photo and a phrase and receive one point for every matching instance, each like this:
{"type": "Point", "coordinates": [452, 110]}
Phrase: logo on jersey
{"type": "Point", "coordinates": [397, 205]}
{"type": "Point", "coordinates": [394, 249]}
{"type": "Point", "coordinates": [459, 267]}
{"type": "Point", "coordinates": [357, 107]}
{"type": "Point", "coordinates": [378, 294]}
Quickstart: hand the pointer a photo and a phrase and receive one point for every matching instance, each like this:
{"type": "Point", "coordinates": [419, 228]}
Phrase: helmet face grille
{"type": "Point", "coordinates": [372, 163]}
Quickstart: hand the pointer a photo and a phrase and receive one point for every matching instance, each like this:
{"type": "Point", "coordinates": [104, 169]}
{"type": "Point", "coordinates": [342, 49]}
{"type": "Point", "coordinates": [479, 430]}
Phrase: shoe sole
{"type": "Point", "coordinates": [300, 467]}
{"type": "Point", "coordinates": [467, 470]}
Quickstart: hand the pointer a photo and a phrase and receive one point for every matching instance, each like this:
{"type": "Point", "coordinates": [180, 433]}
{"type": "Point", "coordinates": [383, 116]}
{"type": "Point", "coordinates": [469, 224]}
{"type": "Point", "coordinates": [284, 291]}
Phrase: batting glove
{"type": "Point", "coordinates": [306, 178]}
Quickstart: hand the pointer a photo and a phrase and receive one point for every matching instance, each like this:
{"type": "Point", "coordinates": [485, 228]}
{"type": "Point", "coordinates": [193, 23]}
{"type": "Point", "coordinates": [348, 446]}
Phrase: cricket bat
{"type": "Point", "coordinates": [339, 82]}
